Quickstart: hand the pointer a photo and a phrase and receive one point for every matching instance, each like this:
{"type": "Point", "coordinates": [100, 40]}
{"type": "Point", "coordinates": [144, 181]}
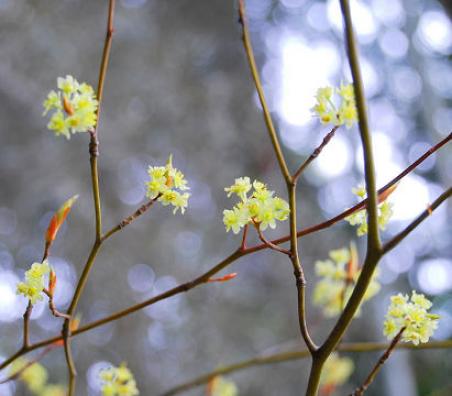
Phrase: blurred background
{"type": "Point", "coordinates": [178, 83]}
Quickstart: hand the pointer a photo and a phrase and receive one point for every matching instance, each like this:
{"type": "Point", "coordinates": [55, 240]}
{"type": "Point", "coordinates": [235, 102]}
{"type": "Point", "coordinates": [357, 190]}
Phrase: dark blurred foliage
{"type": "Point", "coordinates": [178, 83]}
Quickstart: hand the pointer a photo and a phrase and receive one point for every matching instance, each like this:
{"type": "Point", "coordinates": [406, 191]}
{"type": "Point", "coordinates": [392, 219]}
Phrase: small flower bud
{"type": "Point", "coordinates": [52, 282]}
{"type": "Point", "coordinates": [68, 108]}
{"type": "Point", "coordinates": [225, 278]}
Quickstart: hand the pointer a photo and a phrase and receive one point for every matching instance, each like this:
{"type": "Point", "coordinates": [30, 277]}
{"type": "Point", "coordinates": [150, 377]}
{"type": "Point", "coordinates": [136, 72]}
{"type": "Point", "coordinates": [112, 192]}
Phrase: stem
{"type": "Point", "coordinates": [245, 234]}
{"type": "Point", "coordinates": [72, 372]}
{"type": "Point", "coordinates": [300, 279]}
{"type": "Point", "coordinates": [315, 153]}
{"type": "Point", "coordinates": [359, 391]}
{"type": "Point", "coordinates": [93, 155]}
{"type": "Point", "coordinates": [260, 91]}
{"type": "Point", "coordinates": [27, 314]}
{"type": "Point", "coordinates": [269, 244]}
{"type": "Point", "coordinates": [125, 222]}
{"type": "Point", "coordinates": [374, 249]}
{"type": "Point", "coordinates": [373, 241]}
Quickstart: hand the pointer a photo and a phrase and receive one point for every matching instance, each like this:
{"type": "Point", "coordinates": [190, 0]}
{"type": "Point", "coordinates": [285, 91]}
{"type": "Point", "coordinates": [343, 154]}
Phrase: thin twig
{"type": "Point", "coordinates": [268, 243]}
{"type": "Point", "coordinates": [315, 153]}
{"type": "Point", "coordinates": [412, 226]}
{"type": "Point", "coordinates": [358, 347]}
{"type": "Point", "coordinates": [360, 205]}
{"type": "Point", "coordinates": [125, 222]}
{"type": "Point", "coordinates": [26, 329]}
{"type": "Point", "coordinates": [300, 279]}
{"type": "Point", "coordinates": [260, 91]}
{"type": "Point", "coordinates": [53, 308]}
{"type": "Point", "coordinates": [245, 234]}
{"type": "Point", "coordinates": [359, 391]}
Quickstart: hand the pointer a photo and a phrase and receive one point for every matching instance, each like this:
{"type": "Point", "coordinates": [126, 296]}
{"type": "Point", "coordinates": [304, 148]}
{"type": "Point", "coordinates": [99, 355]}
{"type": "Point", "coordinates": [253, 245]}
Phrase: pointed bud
{"type": "Point", "coordinates": [67, 106]}
{"type": "Point", "coordinates": [58, 219]}
{"type": "Point", "coordinates": [225, 278]}
{"type": "Point", "coordinates": [52, 282]}
{"type": "Point", "coordinates": [352, 265]}
{"type": "Point", "coordinates": [385, 194]}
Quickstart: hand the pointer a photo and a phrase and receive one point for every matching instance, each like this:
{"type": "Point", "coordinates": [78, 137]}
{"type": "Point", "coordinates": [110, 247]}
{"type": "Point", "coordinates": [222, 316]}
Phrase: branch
{"type": "Point", "coordinates": [26, 330]}
{"type": "Point", "coordinates": [373, 240]}
{"type": "Point", "coordinates": [358, 347]}
{"type": "Point", "coordinates": [373, 254]}
{"type": "Point", "coordinates": [315, 153]}
{"type": "Point", "coordinates": [125, 222]}
{"type": "Point", "coordinates": [412, 226]}
{"type": "Point", "coordinates": [300, 279]}
{"type": "Point", "coordinates": [260, 91]}
{"type": "Point", "coordinates": [223, 264]}
{"type": "Point", "coordinates": [94, 153]}
{"type": "Point", "coordinates": [268, 243]}
{"type": "Point", "coordinates": [360, 205]}
{"type": "Point", "coordinates": [359, 391]}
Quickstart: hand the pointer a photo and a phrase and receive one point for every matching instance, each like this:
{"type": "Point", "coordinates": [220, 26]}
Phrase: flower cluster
{"type": "Point", "coordinates": [339, 274]}
{"type": "Point", "coordinates": [261, 207]}
{"type": "Point", "coordinates": [75, 107]}
{"type": "Point", "coordinates": [344, 113]}
{"type": "Point", "coordinates": [35, 378]}
{"type": "Point", "coordinates": [34, 281]}
{"type": "Point", "coordinates": [336, 371]}
{"type": "Point", "coordinates": [118, 381]}
{"type": "Point", "coordinates": [412, 315]}
{"type": "Point", "coordinates": [164, 183]}
{"type": "Point", "coordinates": [220, 386]}
{"type": "Point", "coordinates": [359, 217]}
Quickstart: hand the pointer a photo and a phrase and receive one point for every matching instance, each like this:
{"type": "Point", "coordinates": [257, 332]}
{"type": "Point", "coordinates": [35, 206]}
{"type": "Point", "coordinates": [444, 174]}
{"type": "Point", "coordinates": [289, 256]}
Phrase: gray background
{"type": "Point", "coordinates": [178, 83]}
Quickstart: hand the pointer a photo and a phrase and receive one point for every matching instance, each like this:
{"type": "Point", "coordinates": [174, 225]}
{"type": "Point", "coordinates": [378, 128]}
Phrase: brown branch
{"type": "Point", "coordinates": [53, 308]}
{"type": "Point", "coordinates": [245, 234]}
{"type": "Point", "coordinates": [359, 391]}
{"type": "Point", "coordinates": [268, 243]}
{"type": "Point", "coordinates": [412, 226]}
{"type": "Point", "coordinates": [357, 347]}
{"type": "Point", "coordinates": [222, 265]}
{"type": "Point", "coordinates": [26, 329]}
{"type": "Point", "coordinates": [125, 222]}
{"type": "Point", "coordinates": [315, 153]}
{"type": "Point", "coordinates": [360, 205]}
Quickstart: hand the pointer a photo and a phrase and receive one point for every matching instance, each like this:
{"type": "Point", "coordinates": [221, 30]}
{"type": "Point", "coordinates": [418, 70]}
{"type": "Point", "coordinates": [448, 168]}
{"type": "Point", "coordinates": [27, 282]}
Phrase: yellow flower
{"type": "Point", "coordinates": [165, 181]}
{"type": "Point", "coordinates": [75, 107]}
{"type": "Point", "coordinates": [328, 112]}
{"type": "Point", "coordinates": [413, 316]}
{"type": "Point", "coordinates": [260, 207]}
{"type": "Point", "coordinates": [118, 381]}
{"type": "Point", "coordinates": [339, 276]}
{"type": "Point", "coordinates": [220, 386]}
{"type": "Point", "coordinates": [34, 282]}
{"type": "Point", "coordinates": [359, 218]}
